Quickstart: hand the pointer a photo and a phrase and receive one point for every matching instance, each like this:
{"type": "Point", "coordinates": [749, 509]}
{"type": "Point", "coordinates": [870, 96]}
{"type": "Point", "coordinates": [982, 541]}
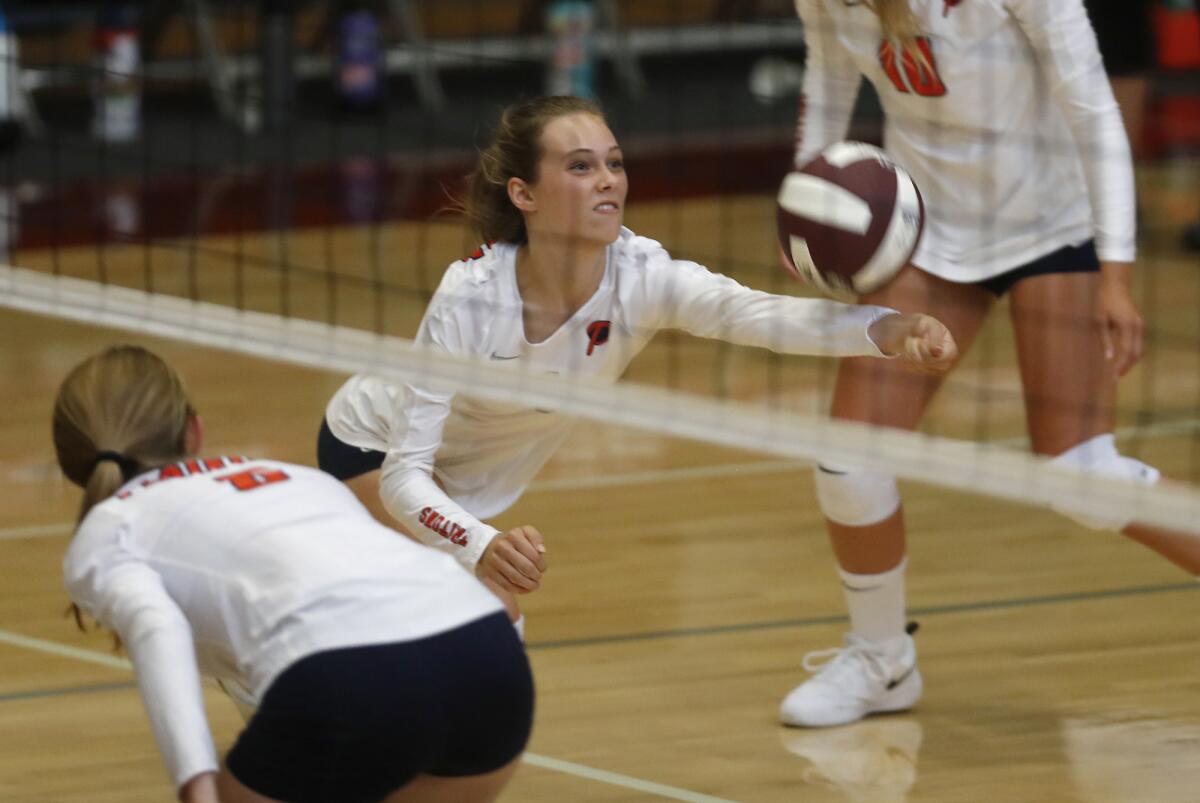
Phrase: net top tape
{"type": "Point", "coordinates": [968, 466]}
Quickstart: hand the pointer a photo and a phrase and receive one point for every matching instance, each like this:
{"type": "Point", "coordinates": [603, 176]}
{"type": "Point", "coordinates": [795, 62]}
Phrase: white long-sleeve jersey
{"type": "Point", "coordinates": [1014, 138]}
{"type": "Point", "coordinates": [484, 454]}
{"type": "Point", "coordinates": [238, 568]}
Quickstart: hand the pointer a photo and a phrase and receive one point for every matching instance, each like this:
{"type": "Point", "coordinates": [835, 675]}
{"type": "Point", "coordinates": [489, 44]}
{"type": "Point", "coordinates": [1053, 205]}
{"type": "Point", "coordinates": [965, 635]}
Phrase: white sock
{"type": "Point", "coordinates": [519, 626]}
{"type": "Point", "coordinates": [876, 602]}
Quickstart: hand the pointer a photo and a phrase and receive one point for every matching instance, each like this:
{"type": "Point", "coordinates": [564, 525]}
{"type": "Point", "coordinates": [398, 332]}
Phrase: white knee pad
{"type": "Point", "coordinates": [1099, 456]}
{"type": "Point", "coordinates": [855, 497]}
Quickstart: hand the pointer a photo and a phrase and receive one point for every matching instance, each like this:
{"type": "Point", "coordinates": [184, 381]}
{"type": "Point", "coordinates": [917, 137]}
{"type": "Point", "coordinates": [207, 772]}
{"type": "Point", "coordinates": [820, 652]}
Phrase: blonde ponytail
{"type": "Point", "coordinates": [900, 29]}
{"type": "Point", "coordinates": [117, 414]}
{"type": "Point", "coordinates": [898, 22]}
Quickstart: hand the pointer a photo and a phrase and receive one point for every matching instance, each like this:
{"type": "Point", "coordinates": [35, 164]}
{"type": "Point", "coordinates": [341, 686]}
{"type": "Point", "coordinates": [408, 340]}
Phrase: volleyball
{"type": "Point", "coordinates": [849, 219]}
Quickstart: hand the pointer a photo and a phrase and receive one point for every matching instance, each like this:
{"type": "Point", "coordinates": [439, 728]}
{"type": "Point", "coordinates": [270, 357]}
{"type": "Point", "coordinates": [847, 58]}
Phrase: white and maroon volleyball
{"type": "Point", "coordinates": [849, 219]}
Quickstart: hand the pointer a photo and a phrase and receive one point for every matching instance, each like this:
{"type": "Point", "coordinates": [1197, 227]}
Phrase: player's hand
{"type": "Point", "coordinates": [920, 340]}
{"type": "Point", "coordinates": [200, 788]}
{"type": "Point", "coordinates": [1122, 330]}
{"type": "Point", "coordinates": [515, 560]}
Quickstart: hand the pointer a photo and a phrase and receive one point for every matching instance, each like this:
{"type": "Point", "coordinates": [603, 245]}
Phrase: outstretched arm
{"type": "Point", "coordinates": [128, 597]}
{"type": "Point", "coordinates": [706, 304]}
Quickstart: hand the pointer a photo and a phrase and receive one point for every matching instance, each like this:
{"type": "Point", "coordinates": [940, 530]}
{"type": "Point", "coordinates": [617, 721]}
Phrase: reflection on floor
{"type": "Point", "coordinates": [873, 761]}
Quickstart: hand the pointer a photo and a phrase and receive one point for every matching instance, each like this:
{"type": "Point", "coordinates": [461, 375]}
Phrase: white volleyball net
{"type": "Point", "coordinates": [962, 465]}
{"type": "Point", "coordinates": [171, 198]}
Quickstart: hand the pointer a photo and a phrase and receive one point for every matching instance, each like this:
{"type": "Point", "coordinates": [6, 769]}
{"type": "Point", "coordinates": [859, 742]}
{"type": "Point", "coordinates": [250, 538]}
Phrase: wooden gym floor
{"type": "Point", "coordinates": [687, 581]}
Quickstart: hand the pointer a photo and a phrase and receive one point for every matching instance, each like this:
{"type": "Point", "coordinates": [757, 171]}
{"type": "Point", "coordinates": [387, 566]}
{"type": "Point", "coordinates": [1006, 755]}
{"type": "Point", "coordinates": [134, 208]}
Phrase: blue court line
{"type": "Point", "coordinates": [748, 627]}
{"type": "Point", "coordinates": [813, 621]}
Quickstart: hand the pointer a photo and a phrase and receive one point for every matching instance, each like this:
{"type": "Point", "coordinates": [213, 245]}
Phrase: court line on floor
{"type": "Point", "coordinates": [64, 650]}
{"type": "Point", "coordinates": [113, 661]}
{"type": "Point", "coordinates": [535, 759]}
{"type": "Point", "coordinates": [616, 779]}
{"type": "Point", "coordinates": [62, 692]}
{"type": "Point", "coordinates": [916, 613]}
{"type": "Point", "coordinates": [604, 776]}
{"type": "Point", "coordinates": [746, 469]}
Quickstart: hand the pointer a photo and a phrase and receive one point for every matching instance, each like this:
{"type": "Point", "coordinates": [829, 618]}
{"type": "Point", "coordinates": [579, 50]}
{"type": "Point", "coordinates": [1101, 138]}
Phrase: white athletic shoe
{"type": "Point", "coordinates": [858, 679]}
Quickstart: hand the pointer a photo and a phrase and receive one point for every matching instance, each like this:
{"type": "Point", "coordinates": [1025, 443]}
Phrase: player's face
{"type": "Point", "coordinates": [581, 187]}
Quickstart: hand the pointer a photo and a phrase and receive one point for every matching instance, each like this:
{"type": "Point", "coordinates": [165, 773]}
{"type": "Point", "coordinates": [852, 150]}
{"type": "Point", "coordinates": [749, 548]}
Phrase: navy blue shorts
{"type": "Point", "coordinates": [1068, 259]}
{"type": "Point", "coordinates": [341, 459]}
{"type": "Point", "coordinates": [356, 724]}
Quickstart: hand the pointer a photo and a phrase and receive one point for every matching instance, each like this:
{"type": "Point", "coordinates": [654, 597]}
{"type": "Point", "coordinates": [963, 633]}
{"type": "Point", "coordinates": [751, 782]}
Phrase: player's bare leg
{"type": "Point", "coordinates": [1180, 548]}
{"type": "Point", "coordinates": [1070, 389]}
{"type": "Point", "coordinates": [886, 393]}
{"type": "Point", "coordinates": [234, 791]}
{"type": "Point", "coordinates": [876, 670]}
{"type": "Point", "coordinates": [366, 488]}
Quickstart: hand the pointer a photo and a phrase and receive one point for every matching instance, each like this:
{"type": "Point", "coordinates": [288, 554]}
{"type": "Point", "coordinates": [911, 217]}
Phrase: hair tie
{"type": "Point", "coordinates": [128, 467]}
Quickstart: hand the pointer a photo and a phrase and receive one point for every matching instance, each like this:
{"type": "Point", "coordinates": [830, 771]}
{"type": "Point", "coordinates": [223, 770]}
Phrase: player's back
{"type": "Point", "coordinates": [269, 562]}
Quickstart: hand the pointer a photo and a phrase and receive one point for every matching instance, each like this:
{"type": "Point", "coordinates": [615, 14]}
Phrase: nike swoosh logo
{"type": "Point", "coordinates": [825, 470]}
{"type": "Point", "coordinates": [893, 684]}
{"type": "Point", "coordinates": [496, 356]}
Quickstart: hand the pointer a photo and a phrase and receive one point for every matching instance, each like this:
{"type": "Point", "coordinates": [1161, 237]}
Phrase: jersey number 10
{"type": "Point", "coordinates": [253, 478]}
{"type": "Point", "coordinates": [920, 75]}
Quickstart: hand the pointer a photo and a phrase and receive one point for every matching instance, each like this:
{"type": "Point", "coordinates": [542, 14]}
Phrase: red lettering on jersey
{"type": "Point", "coordinates": [253, 478]}
{"type": "Point", "coordinates": [452, 532]}
{"type": "Point", "coordinates": [188, 468]}
{"type": "Point", "coordinates": [597, 332]}
{"type": "Point", "coordinates": [947, 5]}
{"type": "Point", "coordinates": [922, 74]}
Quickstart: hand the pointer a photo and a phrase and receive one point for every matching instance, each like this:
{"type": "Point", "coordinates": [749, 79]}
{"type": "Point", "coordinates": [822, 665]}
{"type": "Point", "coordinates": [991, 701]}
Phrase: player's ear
{"type": "Point", "coordinates": [521, 195]}
{"type": "Point", "coordinates": [193, 438]}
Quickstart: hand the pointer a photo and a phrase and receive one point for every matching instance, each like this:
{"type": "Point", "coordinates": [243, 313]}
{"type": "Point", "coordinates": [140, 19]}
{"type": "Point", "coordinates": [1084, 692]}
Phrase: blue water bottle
{"type": "Point", "coordinates": [572, 67]}
{"type": "Point", "coordinates": [360, 60]}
